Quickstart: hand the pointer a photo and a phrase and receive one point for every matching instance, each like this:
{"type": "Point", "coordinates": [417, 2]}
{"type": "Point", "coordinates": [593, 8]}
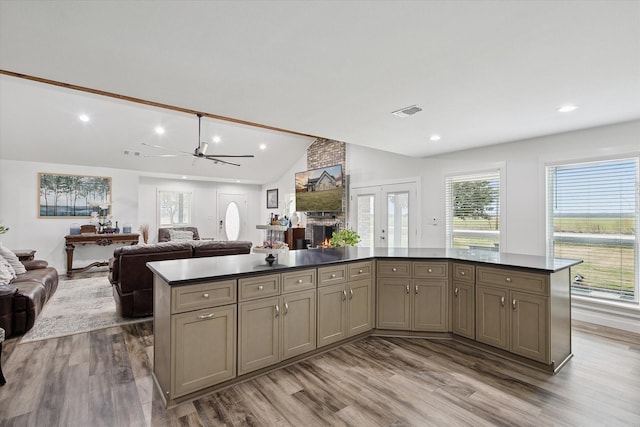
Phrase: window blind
{"type": "Point", "coordinates": [473, 210]}
{"type": "Point", "coordinates": [592, 214]}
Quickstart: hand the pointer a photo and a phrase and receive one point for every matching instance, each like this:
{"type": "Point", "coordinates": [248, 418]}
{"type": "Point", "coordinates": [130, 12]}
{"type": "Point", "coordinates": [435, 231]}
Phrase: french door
{"type": "Point", "coordinates": [232, 216]}
{"type": "Point", "coordinates": [385, 215]}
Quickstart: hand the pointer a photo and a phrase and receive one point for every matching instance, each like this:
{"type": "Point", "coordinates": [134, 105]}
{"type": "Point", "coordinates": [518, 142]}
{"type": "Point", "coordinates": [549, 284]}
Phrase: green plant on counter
{"type": "Point", "coordinates": [3, 229]}
{"type": "Point", "coordinates": [344, 238]}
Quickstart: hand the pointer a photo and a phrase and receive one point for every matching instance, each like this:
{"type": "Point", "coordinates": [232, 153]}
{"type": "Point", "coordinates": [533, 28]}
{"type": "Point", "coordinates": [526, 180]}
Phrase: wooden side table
{"type": "Point", "coordinates": [72, 240]}
{"type": "Point", "coordinates": [25, 254]}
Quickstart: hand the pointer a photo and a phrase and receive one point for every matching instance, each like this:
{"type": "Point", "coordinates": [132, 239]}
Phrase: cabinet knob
{"type": "Point", "coordinates": [299, 280]}
{"type": "Point", "coordinates": [462, 273]}
{"type": "Point", "coordinates": [260, 287]}
{"type": "Point", "coordinates": [430, 270]}
{"type": "Point", "coordinates": [416, 289]}
{"type": "Point", "coordinates": [407, 288]}
{"type": "Point", "coordinates": [394, 269]}
{"type": "Point", "coordinates": [513, 304]}
{"type": "Point", "coordinates": [205, 295]}
{"type": "Point", "coordinates": [508, 279]}
{"type": "Point", "coordinates": [344, 295]}
{"type": "Point", "coordinates": [286, 308]}
{"type": "Point", "coordinates": [277, 307]}
{"type": "Point", "coordinates": [350, 293]}
{"type": "Point", "coordinates": [455, 291]}
{"type": "Point", "coordinates": [333, 276]}
{"type": "Point", "coordinates": [360, 271]}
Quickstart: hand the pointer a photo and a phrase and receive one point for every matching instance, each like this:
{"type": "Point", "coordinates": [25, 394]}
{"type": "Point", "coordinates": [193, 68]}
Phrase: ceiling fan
{"type": "Point", "coordinates": [199, 152]}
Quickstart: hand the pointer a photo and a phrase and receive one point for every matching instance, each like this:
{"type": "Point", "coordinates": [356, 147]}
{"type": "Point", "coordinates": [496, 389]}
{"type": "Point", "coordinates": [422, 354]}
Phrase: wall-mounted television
{"type": "Point", "coordinates": [320, 190]}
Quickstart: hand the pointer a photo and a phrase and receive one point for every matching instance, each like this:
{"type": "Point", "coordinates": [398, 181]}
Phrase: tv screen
{"type": "Point", "coordinates": [319, 190]}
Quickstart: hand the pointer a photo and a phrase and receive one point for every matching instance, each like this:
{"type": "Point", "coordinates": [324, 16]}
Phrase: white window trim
{"type": "Point", "coordinates": [158, 209]}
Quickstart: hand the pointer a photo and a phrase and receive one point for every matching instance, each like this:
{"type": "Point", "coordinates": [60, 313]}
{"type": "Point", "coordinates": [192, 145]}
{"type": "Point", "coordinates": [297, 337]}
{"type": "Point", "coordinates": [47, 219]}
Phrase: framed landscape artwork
{"type": "Point", "coordinates": [72, 196]}
{"type": "Point", "coordinates": [272, 199]}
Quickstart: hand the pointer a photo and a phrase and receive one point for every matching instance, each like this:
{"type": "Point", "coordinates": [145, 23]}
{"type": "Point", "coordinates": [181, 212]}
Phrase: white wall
{"type": "Point", "coordinates": [19, 211]}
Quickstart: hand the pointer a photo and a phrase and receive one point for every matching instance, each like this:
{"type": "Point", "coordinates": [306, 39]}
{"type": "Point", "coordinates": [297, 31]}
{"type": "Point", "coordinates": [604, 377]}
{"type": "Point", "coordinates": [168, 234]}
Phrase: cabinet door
{"type": "Point", "coordinates": [258, 340]}
{"type": "Point", "coordinates": [332, 314]}
{"type": "Point", "coordinates": [204, 351]}
{"type": "Point", "coordinates": [430, 305]}
{"type": "Point", "coordinates": [394, 303]}
{"type": "Point", "coordinates": [464, 313]}
{"type": "Point", "coordinates": [360, 312]}
{"type": "Point", "coordinates": [298, 323]}
{"type": "Point", "coordinates": [491, 316]}
{"type": "Point", "coordinates": [529, 333]}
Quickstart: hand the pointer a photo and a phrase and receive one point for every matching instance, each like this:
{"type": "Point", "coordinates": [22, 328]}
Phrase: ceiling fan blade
{"type": "Point", "coordinates": [156, 146]}
{"type": "Point", "coordinates": [228, 155]}
{"type": "Point", "coordinates": [162, 155]}
{"type": "Point", "coordinates": [213, 159]}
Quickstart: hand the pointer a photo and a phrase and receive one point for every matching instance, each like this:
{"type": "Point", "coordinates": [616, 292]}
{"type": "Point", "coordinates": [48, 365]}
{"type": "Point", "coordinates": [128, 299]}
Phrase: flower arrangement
{"type": "Point", "coordinates": [100, 215]}
{"type": "Point", "coordinates": [345, 237]}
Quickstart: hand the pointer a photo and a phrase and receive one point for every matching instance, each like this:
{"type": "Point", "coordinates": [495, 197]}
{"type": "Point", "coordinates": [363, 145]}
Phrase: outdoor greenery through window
{"type": "Point", "coordinates": [473, 211]}
{"type": "Point", "coordinates": [593, 215]}
{"type": "Point", "coordinates": [174, 208]}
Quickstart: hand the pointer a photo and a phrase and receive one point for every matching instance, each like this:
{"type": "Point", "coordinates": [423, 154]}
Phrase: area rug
{"type": "Point", "coordinates": [77, 306]}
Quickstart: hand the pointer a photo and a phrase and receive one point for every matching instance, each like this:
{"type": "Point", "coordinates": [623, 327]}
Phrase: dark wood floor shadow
{"type": "Point", "coordinates": [104, 378]}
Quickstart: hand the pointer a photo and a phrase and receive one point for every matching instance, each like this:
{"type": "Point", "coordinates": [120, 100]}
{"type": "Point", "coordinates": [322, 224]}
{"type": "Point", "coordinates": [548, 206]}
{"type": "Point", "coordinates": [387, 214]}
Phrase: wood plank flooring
{"type": "Point", "coordinates": [104, 378]}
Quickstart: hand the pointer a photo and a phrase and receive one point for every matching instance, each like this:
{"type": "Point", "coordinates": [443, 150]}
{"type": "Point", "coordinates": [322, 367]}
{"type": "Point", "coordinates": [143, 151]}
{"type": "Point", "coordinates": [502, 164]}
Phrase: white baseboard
{"type": "Point", "coordinates": [613, 315]}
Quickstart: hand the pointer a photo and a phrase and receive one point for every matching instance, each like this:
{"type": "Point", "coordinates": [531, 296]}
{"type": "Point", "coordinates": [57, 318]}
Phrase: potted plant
{"type": "Point", "coordinates": [345, 237]}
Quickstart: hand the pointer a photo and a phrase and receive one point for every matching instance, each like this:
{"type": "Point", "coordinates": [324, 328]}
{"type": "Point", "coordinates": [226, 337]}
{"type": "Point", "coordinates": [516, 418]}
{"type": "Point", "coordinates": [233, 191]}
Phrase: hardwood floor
{"type": "Point", "coordinates": [104, 378]}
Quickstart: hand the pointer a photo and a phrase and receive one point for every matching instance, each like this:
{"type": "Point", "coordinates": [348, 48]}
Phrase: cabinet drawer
{"type": "Point", "coordinates": [464, 273]}
{"type": "Point", "coordinates": [394, 268]}
{"type": "Point", "coordinates": [332, 275]}
{"type": "Point", "coordinates": [438, 270]}
{"type": "Point", "coordinates": [202, 295]}
{"type": "Point", "coordinates": [258, 287]}
{"type": "Point", "coordinates": [360, 270]}
{"type": "Point", "coordinates": [513, 279]}
{"type": "Point", "coordinates": [298, 281]}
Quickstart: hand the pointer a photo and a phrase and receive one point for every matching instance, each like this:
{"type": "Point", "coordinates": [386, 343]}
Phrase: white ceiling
{"type": "Point", "coordinates": [484, 72]}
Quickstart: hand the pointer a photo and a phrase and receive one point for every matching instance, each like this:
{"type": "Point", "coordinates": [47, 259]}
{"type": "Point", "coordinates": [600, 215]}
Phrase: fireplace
{"type": "Point", "coordinates": [322, 234]}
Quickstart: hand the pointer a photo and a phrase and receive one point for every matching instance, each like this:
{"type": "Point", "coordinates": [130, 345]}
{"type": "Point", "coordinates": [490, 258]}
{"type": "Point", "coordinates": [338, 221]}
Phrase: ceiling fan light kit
{"type": "Point", "coordinates": [200, 150]}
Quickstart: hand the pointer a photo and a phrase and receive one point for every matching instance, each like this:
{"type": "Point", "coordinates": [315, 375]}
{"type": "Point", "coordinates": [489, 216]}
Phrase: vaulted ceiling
{"type": "Point", "coordinates": [483, 72]}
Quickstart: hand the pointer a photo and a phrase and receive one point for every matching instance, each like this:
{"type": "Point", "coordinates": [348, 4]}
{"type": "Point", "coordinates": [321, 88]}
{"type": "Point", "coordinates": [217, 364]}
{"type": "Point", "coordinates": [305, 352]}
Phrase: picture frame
{"type": "Point", "coordinates": [272, 198]}
{"type": "Point", "coordinates": [72, 196]}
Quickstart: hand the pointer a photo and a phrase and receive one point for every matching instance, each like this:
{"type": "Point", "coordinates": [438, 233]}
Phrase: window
{"type": "Point", "coordinates": [174, 208]}
{"type": "Point", "coordinates": [473, 211]}
{"type": "Point", "coordinates": [592, 214]}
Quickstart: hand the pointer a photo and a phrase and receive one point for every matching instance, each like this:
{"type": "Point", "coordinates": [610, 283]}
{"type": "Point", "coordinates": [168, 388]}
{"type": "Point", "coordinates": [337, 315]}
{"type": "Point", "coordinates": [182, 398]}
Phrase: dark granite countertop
{"type": "Point", "coordinates": [182, 271]}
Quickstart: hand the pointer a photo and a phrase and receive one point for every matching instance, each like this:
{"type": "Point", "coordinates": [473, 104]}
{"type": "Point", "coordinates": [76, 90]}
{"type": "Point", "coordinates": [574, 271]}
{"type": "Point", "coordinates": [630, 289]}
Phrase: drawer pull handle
{"type": "Point", "coordinates": [407, 288]}
{"type": "Point", "coordinates": [260, 287]}
{"type": "Point", "coordinates": [286, 308]}
{"type": "Point", "coordinates": [508, 279]}
{"type": "Point", "coordinates": [299, 280]}
{"type": "Point", "coordinates": [206, 316]}
{"type": "Point", "coordinates": [360, 271]}
{"type": "Point", "coordinates": [513, 304]}
{"type": "Point", "coordinates": [462, 273]}
{"type": "Point", "coordinates": [430, 270]}
{"type": "Point", "coordinates": [333, 276]}
{"type": "Point", "coordinates": [344, 295]}
{"type": "Point", "coordinates": [502, 301]}
{"type": "Point", "coordinates": [455, 292]}
{"type": "Point", "coordinates": [394, 269]}
{"type": "Point", "coordinates": [277, 307]}
{"type": "Point", "coordinates": [205, 295]}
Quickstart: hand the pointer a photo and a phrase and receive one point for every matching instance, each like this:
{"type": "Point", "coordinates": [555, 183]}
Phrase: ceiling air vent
{"type": "Point", "coordinates": [129, 152]}
{"type": "Point", "coordinates": [407, 111]}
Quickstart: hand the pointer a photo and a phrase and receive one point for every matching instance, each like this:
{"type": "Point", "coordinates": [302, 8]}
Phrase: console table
{"type": "Point", "coordinates": [94, 239]}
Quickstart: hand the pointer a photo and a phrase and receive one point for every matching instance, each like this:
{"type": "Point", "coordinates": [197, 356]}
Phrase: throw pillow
{"type": "Point", "coordinates": [180, 235]}
{"type": "Point", "coordinates": [6, 272]}
{"type": "Point", "coordinates": [12, 259]}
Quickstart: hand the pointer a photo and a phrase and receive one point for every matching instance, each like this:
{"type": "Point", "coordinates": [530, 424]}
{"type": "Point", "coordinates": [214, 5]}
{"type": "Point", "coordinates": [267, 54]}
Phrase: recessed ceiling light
{"type": "Point", "coordinates": [567, 108]}
{"type": "Point", "coordinates": [84, 118]}
{"type": "Point", "coordinates": [263, 146]}
{"type": "Point", "coordinates": [216, 139]}
{"type": "Point", "coordinates": [184, 177]}
{"type": "Point", "coordinates": [434, 138]}
{"type": "Point", "coordinates": [159, 130]}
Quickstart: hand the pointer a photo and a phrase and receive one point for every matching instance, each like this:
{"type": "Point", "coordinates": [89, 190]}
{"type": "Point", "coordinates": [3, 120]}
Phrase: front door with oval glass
{"type": "Point", "coordinates": [232, 216]}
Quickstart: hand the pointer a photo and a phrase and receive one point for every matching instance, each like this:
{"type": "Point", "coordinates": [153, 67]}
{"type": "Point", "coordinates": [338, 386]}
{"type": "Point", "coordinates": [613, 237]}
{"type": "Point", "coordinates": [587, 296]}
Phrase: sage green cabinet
{"type": "Point", "coordinates": [345, 309]}
{"type": "Point", "coordinates": [413, 296]}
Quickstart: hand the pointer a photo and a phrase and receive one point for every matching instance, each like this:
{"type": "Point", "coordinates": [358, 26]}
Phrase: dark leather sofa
{"type": "Point", "coordinates": [22, 299]}
{"type": "Point", "coordinates": [133, 282]}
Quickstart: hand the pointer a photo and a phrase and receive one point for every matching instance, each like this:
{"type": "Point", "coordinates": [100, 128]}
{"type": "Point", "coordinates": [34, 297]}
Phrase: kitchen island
{"type": "Point", "coordinates": [221, 320]}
